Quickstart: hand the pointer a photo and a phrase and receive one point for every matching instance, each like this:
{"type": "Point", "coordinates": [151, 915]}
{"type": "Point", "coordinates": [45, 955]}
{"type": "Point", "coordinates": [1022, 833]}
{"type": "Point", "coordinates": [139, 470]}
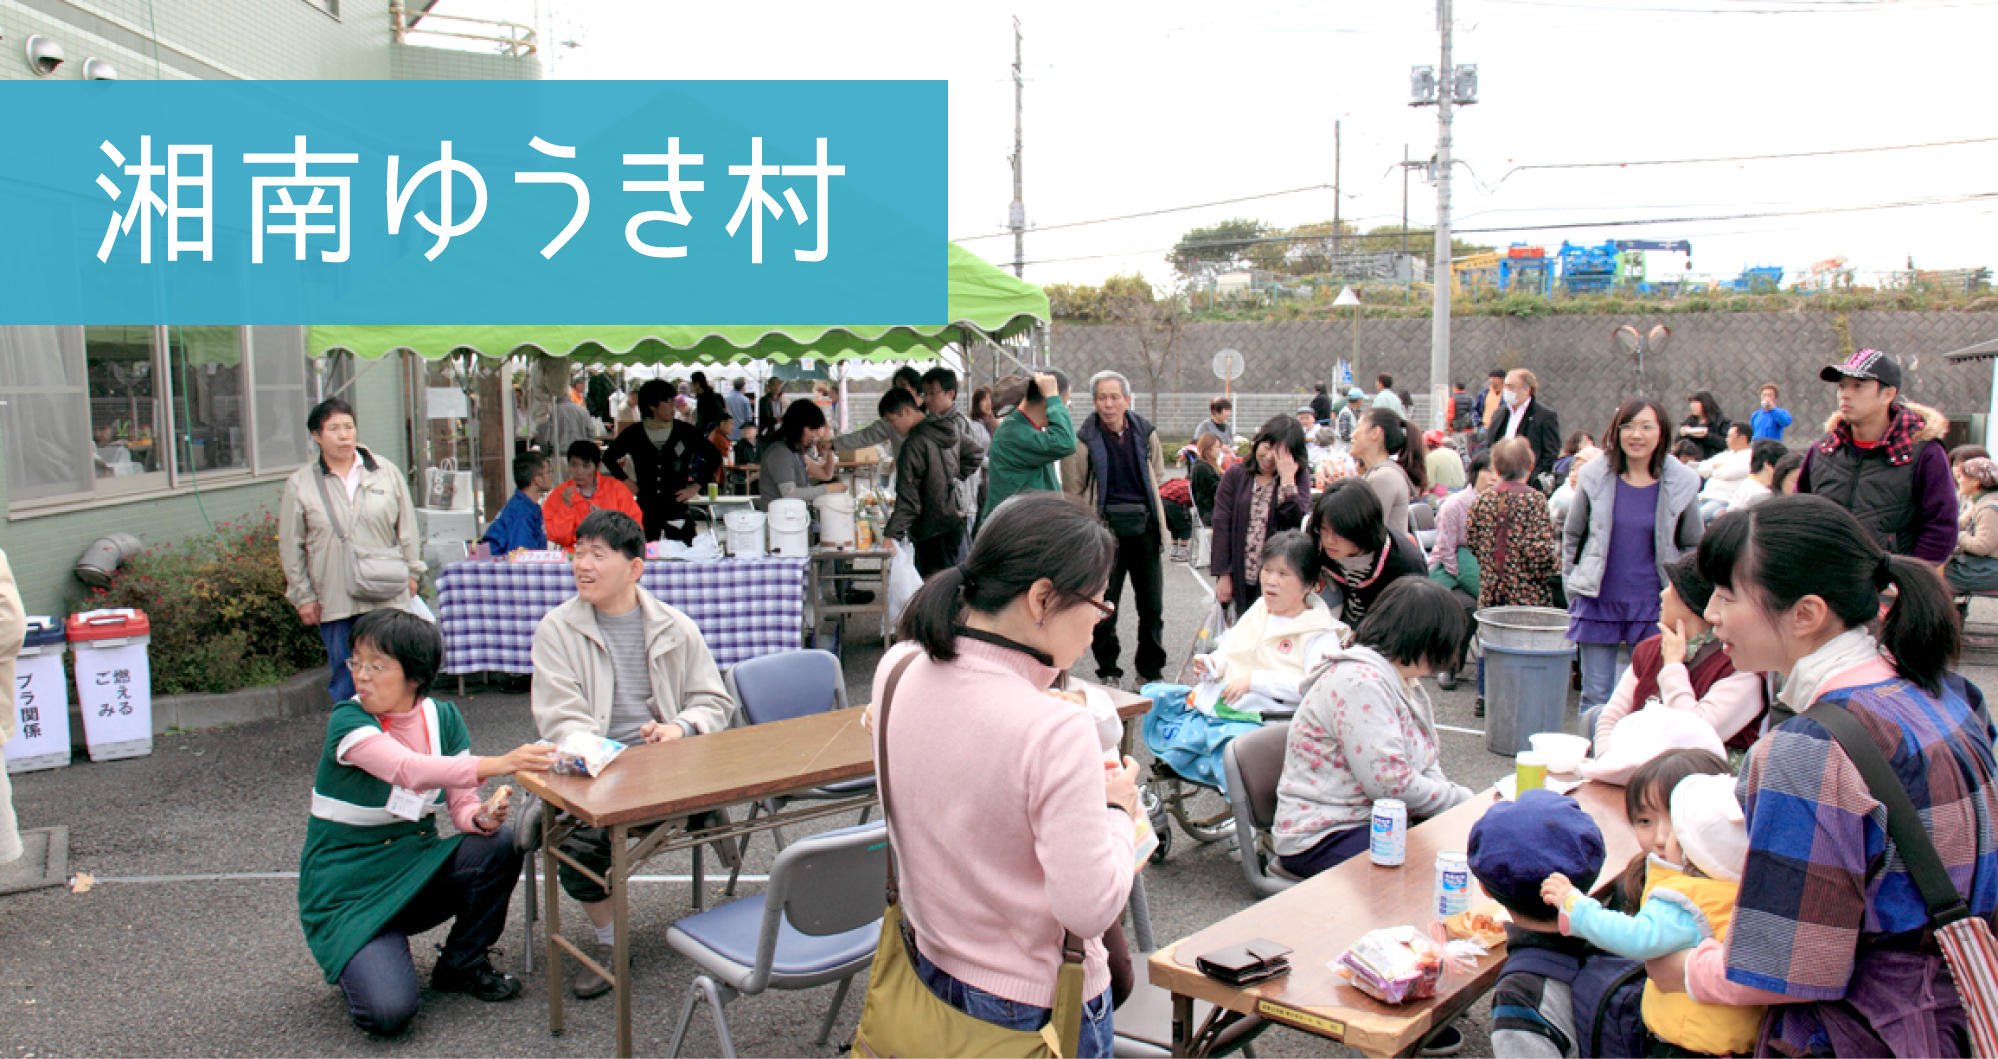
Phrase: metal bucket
{"type": "Point", "coordinates": [1523, 628]}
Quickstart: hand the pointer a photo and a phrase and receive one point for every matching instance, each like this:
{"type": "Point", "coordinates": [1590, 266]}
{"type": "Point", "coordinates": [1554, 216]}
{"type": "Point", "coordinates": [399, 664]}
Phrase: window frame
{"type": "Point", "coordinates": [170, 480]}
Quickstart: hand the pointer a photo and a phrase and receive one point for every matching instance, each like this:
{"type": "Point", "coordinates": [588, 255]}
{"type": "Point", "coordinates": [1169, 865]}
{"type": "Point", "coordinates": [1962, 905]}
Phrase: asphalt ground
{"type": "Point", "coordinates": [175, 952]}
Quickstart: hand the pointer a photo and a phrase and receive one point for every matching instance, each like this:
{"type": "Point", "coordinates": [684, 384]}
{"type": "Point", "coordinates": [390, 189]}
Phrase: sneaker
{"type": "Point", "coordinates": [1179, 551]}
{"type": "Point", "coordinates": [588, 982]}
{"type": "Point", "coordinates": [481, 980]}
{"type": "Point", "coordinates": [1447, 1041]}
{"type": "Point", "coordinates": [1479, 709]}
{"type": "Point", "coordinates": [1111, 679]}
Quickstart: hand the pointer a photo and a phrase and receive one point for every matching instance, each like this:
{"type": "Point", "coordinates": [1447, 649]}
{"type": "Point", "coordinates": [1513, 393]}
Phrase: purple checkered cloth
{"type": "Point", "coordinates": [744, 607]}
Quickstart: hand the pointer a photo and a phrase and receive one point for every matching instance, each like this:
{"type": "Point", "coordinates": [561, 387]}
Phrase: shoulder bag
{"type": "Point", "coordinates": [374, 575]}
{"type": "Point", "coordinates": [901, 1017]}
{"type": "Point", "coordinates": [1966, 940]}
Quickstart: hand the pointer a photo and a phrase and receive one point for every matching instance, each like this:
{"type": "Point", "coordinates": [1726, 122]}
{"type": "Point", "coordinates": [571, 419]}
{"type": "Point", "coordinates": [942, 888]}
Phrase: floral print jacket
{"type": "Point", "coordinates": [1361, 733]}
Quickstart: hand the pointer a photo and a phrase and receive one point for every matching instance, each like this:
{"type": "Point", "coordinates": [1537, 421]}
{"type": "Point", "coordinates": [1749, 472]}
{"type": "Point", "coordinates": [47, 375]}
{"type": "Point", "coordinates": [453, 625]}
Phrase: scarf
{"type": "Point", "coordinates": [1842, 652]}
{"type": "Point", "coordinates": [1898, 441]}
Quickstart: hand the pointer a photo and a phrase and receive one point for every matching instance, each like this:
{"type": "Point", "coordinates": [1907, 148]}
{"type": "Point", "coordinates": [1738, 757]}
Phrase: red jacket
{"type": "Point", "coordinates": [565, 508]}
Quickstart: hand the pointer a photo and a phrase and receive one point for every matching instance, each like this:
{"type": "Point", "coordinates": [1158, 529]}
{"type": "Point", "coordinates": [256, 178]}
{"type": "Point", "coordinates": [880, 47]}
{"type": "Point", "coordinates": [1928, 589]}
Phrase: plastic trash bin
{"type": "Point", "coordinates": [41, 701]}
{"type": "Point", "coordinates": [114, 681]}
{"type": "Point", "coordinates": [1527, 660]}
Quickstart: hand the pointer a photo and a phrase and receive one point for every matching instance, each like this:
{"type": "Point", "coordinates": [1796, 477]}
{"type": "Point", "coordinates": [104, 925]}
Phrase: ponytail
{"type": "Point", "coordinates": [1031, 536]}
{"type": "Point", "coordinates": [1404, 446]}
{"type": "Point", "coordinates": [1922, 629]}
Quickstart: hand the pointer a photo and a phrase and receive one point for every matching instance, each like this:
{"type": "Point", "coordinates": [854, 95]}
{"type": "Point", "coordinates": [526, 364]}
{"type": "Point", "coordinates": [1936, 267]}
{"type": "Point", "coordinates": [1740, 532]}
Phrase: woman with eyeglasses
{"type": "Point", "coordinates": [1009, 826]}
{"type": "Point", "coordinates": [1634, 513]}
{"type": "Point", "coordinates": [374, 869]}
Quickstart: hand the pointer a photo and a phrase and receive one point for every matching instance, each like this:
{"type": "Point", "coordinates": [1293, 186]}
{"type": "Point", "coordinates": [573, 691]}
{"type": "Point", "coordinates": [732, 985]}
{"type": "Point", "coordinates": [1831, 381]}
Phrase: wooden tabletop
{"type": "Point", "coordinates": [654, 781]}
{"type": "Point", "coordinates": [1129, 703]}
{"type": "Point", "coordinates": [1323, 916]}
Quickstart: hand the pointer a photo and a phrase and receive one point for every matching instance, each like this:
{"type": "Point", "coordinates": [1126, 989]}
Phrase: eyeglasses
{"type": "Point", "coordinates": [1108, 610]}
{"type": "Point", "coordinates": [372, 669]}
{"type": "Point", "coordinates": [1639, 427]}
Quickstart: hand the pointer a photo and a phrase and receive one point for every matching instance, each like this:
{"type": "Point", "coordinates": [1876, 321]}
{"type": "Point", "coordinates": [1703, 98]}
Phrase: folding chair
{"type": "Point", "coordinates": [818, 922]}
{"type": "Point", "coordinates": [1254, 763]}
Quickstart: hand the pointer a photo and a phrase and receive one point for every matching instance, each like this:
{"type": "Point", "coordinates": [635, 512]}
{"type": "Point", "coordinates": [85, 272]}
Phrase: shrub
{"type": "Point", "coordinates": [220, 620]}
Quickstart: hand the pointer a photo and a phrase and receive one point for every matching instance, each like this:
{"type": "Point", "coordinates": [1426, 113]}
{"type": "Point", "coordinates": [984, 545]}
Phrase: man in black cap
{"type": "Point", "coordinates": [1883, 460]}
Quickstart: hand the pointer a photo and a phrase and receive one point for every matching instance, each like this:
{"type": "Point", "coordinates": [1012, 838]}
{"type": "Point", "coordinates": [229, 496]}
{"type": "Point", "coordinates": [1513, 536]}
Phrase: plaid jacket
{"type": "Point", "coordinates": [1822, 878]}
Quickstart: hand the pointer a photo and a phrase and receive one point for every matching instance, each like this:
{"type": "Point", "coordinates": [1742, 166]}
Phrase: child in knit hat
{"type": "Point", "coordinates": [1683, 809]}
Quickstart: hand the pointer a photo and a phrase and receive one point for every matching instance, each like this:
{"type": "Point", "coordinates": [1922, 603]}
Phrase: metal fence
{"type": "Point", "coordinates": [1179, 413]}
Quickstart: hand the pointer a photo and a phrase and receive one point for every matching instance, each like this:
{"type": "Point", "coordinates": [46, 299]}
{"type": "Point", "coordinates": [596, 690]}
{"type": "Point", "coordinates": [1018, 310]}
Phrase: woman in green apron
{"type": "Point", "coordinates": [374, 869]}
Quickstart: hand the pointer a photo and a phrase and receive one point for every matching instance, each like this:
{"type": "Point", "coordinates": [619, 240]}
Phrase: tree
{"type": "Point", "coordinates": [1220, 247]}
{"type": "Point", "coordinates": [1084, 303]}
{"type": "Point", "coordinates": [1157, 324]}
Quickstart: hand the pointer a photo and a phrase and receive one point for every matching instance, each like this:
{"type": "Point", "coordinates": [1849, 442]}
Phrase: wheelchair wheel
{"type": "Point", "coordinates": [1155, 811]}
{"type": "Point", "coordinates": [1203, 812]}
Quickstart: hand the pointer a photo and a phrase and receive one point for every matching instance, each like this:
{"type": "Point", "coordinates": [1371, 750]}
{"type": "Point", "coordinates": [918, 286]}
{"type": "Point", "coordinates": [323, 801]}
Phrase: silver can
{"type": "Point", "coordinates": [1388, 845]}
{"type": "Point", "coordinates": [1453, 883]}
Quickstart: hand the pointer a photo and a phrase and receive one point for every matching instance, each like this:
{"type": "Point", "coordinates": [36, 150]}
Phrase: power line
{"type": "Point", "coordinates": [1565, 226]}
{"type": "Point", "coordinates": [1767, 7]}
{"type": "Point", "coordinates": [1827, 152]}
{"type": "Point", "coordinates": [1153, 213]}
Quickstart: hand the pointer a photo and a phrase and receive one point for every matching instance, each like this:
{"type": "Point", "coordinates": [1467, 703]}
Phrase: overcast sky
{"type": "Point", "coordinates": [1139, 107]}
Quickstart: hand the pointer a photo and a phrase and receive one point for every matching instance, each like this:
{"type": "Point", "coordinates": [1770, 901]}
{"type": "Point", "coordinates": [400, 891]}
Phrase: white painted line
{"type": "Point", "coordinates": [1460, 731]}
{"type": "Point", "coordinates": [288, 876]}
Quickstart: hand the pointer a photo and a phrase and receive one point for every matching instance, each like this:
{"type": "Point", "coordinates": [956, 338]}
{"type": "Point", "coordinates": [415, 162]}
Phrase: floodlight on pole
{"type": "Point", "coordinates": [1347, 299]}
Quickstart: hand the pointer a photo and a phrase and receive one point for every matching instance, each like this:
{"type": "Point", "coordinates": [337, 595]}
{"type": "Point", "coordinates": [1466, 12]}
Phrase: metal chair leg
{"type": "Point", "coordinates": [700, 878]}
{"type": "Point", "coordinates": [686, 1018]}
{"type": "Point", "coordinates": [531, 911]}
{"type": "Point", "coordinates": [832, 1013]}
{"type": "Point", "coordinates": [741, 850]}
{"type": "Point", "coordinates": [717, 996]}
{"type": "Point", "coordinates": [864, 811]}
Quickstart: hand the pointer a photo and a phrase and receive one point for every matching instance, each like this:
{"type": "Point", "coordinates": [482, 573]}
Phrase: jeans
{"type": "Point", "coordinates": [472, 889]}
{"type": "Point", "coordinates": [1334, 849]}
{"type": "Point", "coordinates": [1137, 557]}
{"type": "Point", "coordinates": [1097, 1038]}
{"type": "Point", "coordinates": [1602, 663]}
{"type": "Point", "coordinates": [334, 635]}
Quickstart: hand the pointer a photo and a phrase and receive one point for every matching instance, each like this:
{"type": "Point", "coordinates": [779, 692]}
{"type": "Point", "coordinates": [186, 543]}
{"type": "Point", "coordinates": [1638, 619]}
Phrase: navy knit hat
{"type": "Point", "coordinates": [1518, 844]}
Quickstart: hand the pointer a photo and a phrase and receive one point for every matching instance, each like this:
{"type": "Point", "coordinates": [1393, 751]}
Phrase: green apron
{"type": "Point", "coordinates": [360, 864]}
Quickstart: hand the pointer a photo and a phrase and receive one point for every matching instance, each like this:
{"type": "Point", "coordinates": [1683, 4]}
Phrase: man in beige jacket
{"type": "Point", "coordinates": [1116, 470]}
{"type": "Point", "coordinates": [371, 504]}
{"type": "Point", "coordinates": [13, 627]}
{"type": "Point", "coordinates": [616, 662]}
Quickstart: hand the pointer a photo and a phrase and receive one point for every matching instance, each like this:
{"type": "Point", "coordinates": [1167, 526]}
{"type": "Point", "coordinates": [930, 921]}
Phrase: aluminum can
{"type": "Point", "coordinates": [1453, 883]}
{"type": "Point", "coordinates": [1388, 845]}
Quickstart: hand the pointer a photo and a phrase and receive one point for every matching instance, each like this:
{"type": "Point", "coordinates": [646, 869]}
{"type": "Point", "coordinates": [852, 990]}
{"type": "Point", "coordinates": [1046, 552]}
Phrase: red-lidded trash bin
{"type": "Point", "coordinates": [114, 681]}
{"type": "Point", "coordinates": [41, 701]}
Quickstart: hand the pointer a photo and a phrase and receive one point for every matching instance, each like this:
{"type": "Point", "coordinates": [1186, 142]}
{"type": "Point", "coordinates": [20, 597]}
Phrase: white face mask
{"type": "Point", "coordinates": [1509, 397]}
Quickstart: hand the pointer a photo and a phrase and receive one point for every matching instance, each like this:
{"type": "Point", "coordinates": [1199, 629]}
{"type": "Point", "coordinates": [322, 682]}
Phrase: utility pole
{"type": "Point", "coordinates": [1016, 216]}
{"type": "Point", "coordinates": [1335, 195]}
{"type": "Point", "coordinates": [1404, 198]}
{"type": "Point", "coordinates": [1440, 272]}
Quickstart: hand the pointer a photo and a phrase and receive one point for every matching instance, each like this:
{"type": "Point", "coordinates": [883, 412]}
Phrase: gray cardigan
{"type": "Point", "coordinates": [1585, 537]}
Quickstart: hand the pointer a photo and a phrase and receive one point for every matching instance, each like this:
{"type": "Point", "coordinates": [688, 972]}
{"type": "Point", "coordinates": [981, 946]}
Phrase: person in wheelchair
{"type": "Point", "coordinates": [1254, 671]}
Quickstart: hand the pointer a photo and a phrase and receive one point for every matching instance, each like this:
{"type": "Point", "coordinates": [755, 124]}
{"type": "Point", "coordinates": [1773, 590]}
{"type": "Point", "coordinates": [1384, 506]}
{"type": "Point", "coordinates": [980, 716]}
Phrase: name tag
{"type": "Point", "coordinates": [405, 803]}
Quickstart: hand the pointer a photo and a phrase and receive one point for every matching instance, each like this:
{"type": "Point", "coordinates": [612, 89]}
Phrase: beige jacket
{"type": "Point", "coordinates": [573, 674]}
{"type": "Point", "coordinates": [13, 629]}
{"type": "Point", "coordinates": [1078, 475]}
{"type": "Point", "coordinates": [315, 563]}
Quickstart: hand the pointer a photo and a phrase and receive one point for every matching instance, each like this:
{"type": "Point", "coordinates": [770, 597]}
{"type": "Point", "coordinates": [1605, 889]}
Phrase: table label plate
{"type": "Point", "coordinates": [1303, 1020]}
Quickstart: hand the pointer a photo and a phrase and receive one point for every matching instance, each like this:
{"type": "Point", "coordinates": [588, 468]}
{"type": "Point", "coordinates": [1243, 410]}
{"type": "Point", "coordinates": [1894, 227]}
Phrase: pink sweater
{"type": "Point", "coordinates": [404, 759]}
{"type": "Point", "coordinates": [1002, 835]}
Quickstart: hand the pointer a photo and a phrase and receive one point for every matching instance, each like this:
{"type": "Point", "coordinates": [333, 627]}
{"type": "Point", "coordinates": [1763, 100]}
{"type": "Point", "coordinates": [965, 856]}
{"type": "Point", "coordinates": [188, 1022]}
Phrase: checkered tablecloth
{"type": "Point", "coordinates": [744, 607]}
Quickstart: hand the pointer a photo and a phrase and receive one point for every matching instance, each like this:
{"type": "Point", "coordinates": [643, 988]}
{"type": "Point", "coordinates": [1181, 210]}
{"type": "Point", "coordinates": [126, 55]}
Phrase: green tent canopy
{"type": "Point", "coordinates": [983, 301]}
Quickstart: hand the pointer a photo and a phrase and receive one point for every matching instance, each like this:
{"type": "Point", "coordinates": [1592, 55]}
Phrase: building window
{"type": "Point", "coordinates": [93, 412]}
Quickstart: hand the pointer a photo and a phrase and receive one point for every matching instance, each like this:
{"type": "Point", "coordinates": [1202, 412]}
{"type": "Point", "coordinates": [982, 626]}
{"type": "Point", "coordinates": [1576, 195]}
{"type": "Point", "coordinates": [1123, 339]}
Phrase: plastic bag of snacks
{"type": "Point", "coordinates": [585, 755]}
{"type": "Point", "coordinates": [1392, 964]}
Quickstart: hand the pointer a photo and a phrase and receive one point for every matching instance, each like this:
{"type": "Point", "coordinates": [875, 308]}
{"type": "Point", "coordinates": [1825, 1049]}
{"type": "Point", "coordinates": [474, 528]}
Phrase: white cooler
{"type": "Point", "coordinates": [790, 528]}
{"type": "Point", "coordinates": [745, 532]}
{"type": "Point", "coordinates": [835, 520]}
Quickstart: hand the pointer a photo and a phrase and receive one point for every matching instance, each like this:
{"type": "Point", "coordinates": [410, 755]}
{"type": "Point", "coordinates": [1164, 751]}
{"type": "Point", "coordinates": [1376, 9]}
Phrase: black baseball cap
{"type": "Point", "coordinates": [1865, 364]}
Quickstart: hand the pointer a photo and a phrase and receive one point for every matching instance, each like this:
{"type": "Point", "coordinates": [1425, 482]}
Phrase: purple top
{"type": "Point", "coordinates": [1625, 610]}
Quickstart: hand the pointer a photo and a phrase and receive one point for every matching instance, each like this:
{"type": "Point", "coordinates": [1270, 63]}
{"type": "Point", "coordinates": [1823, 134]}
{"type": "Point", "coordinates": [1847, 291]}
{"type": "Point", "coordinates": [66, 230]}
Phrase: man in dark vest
{"type": "Point", "coordinates": [1115, 469]}
{"type": "Point", "coordinates": [1883, 460]}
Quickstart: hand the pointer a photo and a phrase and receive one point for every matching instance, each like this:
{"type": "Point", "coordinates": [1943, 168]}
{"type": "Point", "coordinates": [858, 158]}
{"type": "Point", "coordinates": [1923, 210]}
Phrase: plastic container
{"type": "Point", "coordinates": [836, 525]}
{"type": "Point", "coordinates": [789, 524]}
{"type": "Point", "coordinates": [1523, 628]}
{"type": "Point", "coordinates": [1525, 692]}
{"type": "Point", "coordinates": [114, 681]}
{"type": "Point", "coordinates": [1562, 752]}
{"type": "Point", "coordinates": [41, 701]}
{"type": "Point", "coordinates": [745, 532]}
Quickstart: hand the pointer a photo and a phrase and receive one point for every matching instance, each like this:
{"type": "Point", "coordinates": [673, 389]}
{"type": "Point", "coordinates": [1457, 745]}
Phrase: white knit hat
{"type": "Point", "coordinates": [1709, 825]}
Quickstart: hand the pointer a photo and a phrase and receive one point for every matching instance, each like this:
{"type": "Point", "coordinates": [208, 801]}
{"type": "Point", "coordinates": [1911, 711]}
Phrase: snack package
{"type": "Point", "coordinates": [1392, 964]}
{"type": "Point", "coordinates": [1483, 924]}
{"type": "Point", "coordinates": [584, 755]}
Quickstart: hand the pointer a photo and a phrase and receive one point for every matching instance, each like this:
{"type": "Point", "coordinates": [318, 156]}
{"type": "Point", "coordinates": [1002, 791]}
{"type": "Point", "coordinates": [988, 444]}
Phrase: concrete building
{"type": "Point", "coordinates": [158, 431]}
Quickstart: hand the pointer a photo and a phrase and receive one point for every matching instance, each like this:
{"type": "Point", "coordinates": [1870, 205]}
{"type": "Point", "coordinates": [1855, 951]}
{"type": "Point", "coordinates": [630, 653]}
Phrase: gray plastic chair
{"type": "Point", "coordinates": [1254, 763]}
{"type": "Point", "coordinates": [781, 687]}
{"type": "Point", "coordinates": [818, 922]}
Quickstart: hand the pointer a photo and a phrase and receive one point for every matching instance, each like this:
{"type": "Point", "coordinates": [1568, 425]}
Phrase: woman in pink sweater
{"type": "Point", "coordinates": [1010, 829]}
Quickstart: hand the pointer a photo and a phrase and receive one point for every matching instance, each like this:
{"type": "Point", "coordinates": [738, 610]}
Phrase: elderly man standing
{"type": "Point", "coordinates": [1115, 469]}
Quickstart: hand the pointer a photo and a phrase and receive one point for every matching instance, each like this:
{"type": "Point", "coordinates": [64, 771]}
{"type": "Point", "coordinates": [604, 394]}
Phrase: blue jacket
{"type": "Point", "coordinates": [518, 526]}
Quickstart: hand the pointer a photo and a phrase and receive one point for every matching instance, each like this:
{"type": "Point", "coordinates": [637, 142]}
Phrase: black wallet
{"type": "Point", "coordinates": [1251, 961]}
